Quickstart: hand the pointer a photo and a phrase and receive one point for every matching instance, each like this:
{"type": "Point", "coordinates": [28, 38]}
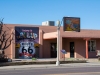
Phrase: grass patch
{"type": "Point", "coordinates": [70, 58]}
{"type": "Point", "coordinates": [34, 59]}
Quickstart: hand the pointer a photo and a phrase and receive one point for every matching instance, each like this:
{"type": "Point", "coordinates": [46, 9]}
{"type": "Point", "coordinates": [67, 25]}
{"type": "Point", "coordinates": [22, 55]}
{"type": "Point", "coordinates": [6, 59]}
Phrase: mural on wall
{"type": "Point", "coordinates": [71, 24]}
{"type": "Point", "coordinates": [27, 39]}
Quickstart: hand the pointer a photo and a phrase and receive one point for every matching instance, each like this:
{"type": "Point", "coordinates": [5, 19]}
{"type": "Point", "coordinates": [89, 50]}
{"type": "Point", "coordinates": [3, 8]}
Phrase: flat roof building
{"type": "Point", "coordinates": [41, 41]}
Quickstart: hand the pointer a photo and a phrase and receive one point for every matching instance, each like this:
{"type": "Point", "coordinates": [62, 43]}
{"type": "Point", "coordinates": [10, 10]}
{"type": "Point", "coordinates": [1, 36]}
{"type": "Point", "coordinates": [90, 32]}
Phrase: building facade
{"type": "Point", "coordinates": [41, 41]}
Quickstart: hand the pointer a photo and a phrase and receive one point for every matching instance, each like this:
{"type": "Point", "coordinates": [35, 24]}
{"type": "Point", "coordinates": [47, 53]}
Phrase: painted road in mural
{"type": "Point", "coordinates": [27, 39]}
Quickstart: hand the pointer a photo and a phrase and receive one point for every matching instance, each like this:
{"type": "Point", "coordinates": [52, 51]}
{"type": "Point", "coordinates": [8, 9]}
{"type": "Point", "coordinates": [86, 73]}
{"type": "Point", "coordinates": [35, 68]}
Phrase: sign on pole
{"type": "Point", "coordinates": [63, 51]}
{"type": "Point", "coordinates": [71, 24]}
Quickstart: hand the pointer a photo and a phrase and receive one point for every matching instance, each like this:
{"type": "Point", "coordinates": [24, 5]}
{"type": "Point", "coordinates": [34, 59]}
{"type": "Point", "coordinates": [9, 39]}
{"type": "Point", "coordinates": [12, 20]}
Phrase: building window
{"type": "Point", "coordinates": [92, 45]}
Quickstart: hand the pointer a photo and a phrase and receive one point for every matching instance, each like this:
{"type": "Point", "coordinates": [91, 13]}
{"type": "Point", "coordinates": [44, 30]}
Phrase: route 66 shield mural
{"type": "Point", "coordinates": [27, 39]}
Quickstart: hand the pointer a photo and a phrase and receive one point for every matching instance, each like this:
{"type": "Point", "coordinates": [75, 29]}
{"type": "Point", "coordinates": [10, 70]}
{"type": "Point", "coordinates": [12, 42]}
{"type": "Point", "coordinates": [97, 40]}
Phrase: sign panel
{"type": "Point", "coordinates": [71, 24]}
{"type": "Point", "coordinates": [63, 51]}
{"type": "Point", "coordinates": [27, 38]}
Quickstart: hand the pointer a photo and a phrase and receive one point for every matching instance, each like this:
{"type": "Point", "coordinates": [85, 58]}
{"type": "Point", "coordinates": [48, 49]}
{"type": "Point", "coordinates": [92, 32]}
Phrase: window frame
{"type": "Point", "coordinates": [89, 45]}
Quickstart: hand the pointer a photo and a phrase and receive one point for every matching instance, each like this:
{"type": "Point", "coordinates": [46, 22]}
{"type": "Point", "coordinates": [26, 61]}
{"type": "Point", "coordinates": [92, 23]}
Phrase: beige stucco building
{"type": "Point", "coordinates": [81, 44]}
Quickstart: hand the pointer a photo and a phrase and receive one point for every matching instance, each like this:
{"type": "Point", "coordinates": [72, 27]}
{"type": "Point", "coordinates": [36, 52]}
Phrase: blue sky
{"type": "Point", "coordinates": [37, 11]}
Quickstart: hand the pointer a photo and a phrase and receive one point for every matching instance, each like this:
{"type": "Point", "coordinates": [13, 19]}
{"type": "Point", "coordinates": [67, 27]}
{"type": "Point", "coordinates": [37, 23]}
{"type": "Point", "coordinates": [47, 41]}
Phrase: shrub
{"type": "Point", "coordinates": [3, 58]}
{"type": "Point", "coordinates": [33, 58]}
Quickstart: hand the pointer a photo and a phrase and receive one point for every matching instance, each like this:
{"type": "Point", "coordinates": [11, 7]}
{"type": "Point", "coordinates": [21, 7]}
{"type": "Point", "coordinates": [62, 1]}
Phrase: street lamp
{"type": "Point", "coordinates": [58, 42]}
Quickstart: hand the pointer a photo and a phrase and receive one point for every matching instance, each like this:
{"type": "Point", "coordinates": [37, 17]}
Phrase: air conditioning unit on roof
{"type": "Point", "coordinates": [48, 23]}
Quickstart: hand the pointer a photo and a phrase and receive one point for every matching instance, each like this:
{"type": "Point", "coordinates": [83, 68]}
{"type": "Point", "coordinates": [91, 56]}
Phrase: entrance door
{"type": "Point", "coordinates": [37, 52]}
{"type": "Point", "coordinates": [71, 49]}
{"type": "Point", "coordinates": [53, 50]}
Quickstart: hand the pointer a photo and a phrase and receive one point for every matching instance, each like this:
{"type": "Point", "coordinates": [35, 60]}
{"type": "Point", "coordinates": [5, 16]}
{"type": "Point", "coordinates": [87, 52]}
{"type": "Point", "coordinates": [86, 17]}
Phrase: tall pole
{"type": "Point", "coordinates": [58, 47]}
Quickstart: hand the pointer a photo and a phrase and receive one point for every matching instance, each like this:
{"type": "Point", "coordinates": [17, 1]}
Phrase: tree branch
{"type": "Point", "coordinates": [1, 26]}
{"type": "Point", "coordinates": [2, 39]}
{"type": "Point", "coordinates": [5, 45]}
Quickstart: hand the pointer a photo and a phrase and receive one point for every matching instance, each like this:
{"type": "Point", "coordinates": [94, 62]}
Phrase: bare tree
{"type": "Point", "coordinates": [1, 26]}
{"type": "Point", "coordinates": [5, 37]}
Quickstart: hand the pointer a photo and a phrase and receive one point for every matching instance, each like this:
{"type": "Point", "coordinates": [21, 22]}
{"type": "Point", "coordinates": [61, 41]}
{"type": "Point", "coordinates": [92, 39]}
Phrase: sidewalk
{"type": "Point", "coordinates": [91, 62]}
{"type": "Point", "coordinates": [97, 64]}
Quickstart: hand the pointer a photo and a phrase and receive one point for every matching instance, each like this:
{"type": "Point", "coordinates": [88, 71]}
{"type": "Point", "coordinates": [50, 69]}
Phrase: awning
{"type": "Point", "coordinates": [50, 35]}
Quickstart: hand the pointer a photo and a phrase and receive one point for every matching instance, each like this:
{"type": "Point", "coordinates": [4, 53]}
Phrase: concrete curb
{"type": "Point", "coordinates": [23, 67]}
{"type": "Point", "coordinates": [39, 62]}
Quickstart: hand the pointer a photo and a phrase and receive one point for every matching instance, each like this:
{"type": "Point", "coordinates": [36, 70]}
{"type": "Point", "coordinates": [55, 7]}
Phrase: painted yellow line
{"type": "Point", "coordinates": [56, 74]}
{"type": "Point", "coordinates": [75, 73]}
{"type": "Point", "coordinates": [53, 74]}
{"type": "Point", "coordinates": [11, 73]}
{"type": "Point", "coordinates": [84, 72]}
